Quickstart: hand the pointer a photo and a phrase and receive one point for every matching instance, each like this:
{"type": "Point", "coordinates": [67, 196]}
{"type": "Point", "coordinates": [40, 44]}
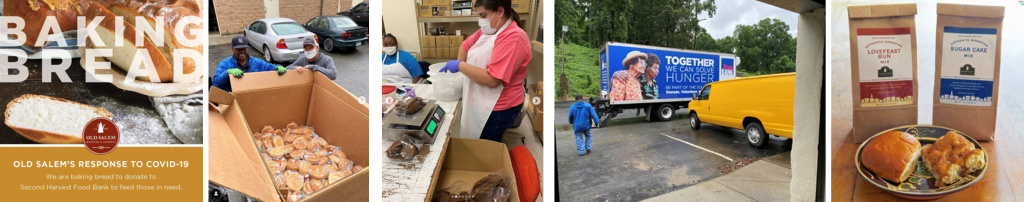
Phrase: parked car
{"type": "Point", "coordinates": [359, 13]}
{"type": "Point", "coordinates": [279, 39]}
{"type": "Point", "coordinates": [759, 106]}
{"type": "Point", "coordinates": [337, 32]}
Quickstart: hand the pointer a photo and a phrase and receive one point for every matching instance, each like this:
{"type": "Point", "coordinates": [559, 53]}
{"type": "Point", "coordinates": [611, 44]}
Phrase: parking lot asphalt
{"type": "Point", "coordinates": [634, 160]}
{"type": "Point", "coordinates": [353, 66]}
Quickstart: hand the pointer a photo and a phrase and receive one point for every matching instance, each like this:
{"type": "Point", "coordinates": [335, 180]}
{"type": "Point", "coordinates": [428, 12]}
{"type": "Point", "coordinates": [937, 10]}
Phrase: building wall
{"type": "Point", "coordinates": [810, 66]}
{"type": "Point", "coordinates": [301, 10]}
{"type": "Point", "coordinates": [232, 19]}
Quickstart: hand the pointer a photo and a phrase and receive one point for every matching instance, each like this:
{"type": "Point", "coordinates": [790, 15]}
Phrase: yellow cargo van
{"type": "Point", "coordinates": [759, 106]}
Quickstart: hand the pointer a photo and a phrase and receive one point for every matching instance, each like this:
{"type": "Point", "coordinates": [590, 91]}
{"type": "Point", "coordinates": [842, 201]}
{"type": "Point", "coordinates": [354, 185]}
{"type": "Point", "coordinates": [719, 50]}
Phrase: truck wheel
{"type": "Point", "coordinates": [756, 135]}
{"type": "Point", "coordinates": [694, 121]}
{"type": "Point", "coordinates": [665, 112]}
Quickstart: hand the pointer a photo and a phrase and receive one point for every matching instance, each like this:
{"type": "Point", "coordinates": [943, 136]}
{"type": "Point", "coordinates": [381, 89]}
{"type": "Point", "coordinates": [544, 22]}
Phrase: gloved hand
{"type": "Point", "coordinates": [452, 66]}
{"type": "Point", "coordinates": [235, 72]}
{"type": "Point", "coordinates": [281, 70]}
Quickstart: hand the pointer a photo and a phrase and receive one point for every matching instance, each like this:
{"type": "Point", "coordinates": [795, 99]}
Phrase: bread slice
{"type": "Point", "coordinates": [892, 155]}
{"type": "Point", "coordinates": [172, 11]}
{"type": "Point", "coordinates": [50, 120]}
{"type": "Point", "coordinates": [123, 55]}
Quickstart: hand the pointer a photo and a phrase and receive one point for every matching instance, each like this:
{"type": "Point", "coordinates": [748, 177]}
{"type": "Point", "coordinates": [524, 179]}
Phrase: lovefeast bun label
{"type": "Point", "coordinates": [886, 66]}
{"type": "Point", "coordinates": [968, 65]}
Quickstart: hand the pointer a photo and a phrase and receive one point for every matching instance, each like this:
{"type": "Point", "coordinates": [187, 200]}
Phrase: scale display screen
{"type": "Point", "coordinates": [431, 126]}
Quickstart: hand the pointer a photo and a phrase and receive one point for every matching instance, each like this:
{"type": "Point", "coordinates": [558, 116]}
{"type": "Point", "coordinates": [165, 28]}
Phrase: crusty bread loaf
{"type": "Point", "coordinates": [892, 155]}
{"type": "Point", "coordinates": [951, 157]}
{"type": "Point", "coordinates": [123, 55]}
{"type": "Point", "coordinates": [50, 120]}
{"type": "Point", "coordinates": [172, 11]}
{"type": "Point", "coordinates": [67, 11]}
{"type": "Point", "coordinates": [34, 13]}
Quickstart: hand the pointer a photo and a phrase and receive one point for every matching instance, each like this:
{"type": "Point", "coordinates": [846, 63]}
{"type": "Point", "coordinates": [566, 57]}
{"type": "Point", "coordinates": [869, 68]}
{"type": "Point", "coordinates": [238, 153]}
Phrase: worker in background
{"type": "Point", "coordinates": [399, 66]}
{"type": "Point", "coordinates": [239, 63]}
{"type": "Point", "coordinates": [580, 115]}
{"type": "Point", "coordinates": [313, 60]}
{"type": "Point", "coordinates": [494, 62]}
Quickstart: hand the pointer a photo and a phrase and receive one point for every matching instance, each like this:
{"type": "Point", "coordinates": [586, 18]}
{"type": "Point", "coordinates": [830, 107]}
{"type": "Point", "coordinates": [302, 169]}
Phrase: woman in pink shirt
{"type": "Point", "coordinates": [494, 60]}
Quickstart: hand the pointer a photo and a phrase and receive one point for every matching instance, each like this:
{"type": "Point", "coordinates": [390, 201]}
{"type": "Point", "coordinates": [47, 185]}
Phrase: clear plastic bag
{"type": "Point", "coordinates": [492, 188]}
{"type": "Point", "coordinates": [404, 149]}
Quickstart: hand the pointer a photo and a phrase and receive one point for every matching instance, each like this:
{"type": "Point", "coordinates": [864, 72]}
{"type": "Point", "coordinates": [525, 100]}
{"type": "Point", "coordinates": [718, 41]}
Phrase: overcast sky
{"type": "Point", "coordinates": [734, 12]}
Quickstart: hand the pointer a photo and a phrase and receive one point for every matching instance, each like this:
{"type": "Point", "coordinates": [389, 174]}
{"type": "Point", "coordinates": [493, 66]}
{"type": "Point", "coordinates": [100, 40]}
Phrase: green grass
{"type": "Point", "coordinates": [582, 69]}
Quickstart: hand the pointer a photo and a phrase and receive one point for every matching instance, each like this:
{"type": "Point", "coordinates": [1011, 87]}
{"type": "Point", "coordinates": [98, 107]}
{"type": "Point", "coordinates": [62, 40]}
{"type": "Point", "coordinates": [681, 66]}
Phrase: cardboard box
{"type": "Point", "coordinates": [441, 41]}
{"type": "Point", "coordinates": [521, 6]}
{"type": "Point", "coordinates": [967, 80]}
{"type": "Point", "coordinates": [443, 3]}
{"type": "Point", "coordinates": [884, 83]}
{"type": "Point", "coordinates": [538, 118]}
{"type": "Point", "coordinates": [430, 2]}
{"type": "Point", "coordinates": [264, 98]}
{"type": "Point", "coordinates": [425, 10]}
{"type": "Point", "coordinates": [455, 41]}
{"type": "Point", "coordinates": [429, 53]}
{"type": "Point", "coordinates": [469, 160]}
{"type": "Point", "coordinates": [442, 53]}
{"type": "Point", "coordinates": [453, 53]}
{"type": "Point", "coordinates": [444, 10]}
{"type": "Point", "coordinates": [428, 41]}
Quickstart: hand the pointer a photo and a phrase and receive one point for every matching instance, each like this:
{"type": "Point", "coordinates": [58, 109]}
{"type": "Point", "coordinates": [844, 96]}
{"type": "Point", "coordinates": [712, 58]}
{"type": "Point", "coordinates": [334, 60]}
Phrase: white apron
{"type": "Point", "coordinates": [478, 100]}
{"type": "Point", "coordinates": [396, 72]}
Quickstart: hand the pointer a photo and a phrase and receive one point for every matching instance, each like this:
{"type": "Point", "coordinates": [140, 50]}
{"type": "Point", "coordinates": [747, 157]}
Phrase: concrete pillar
{"type": "Point", "coordinates": [810, 68]}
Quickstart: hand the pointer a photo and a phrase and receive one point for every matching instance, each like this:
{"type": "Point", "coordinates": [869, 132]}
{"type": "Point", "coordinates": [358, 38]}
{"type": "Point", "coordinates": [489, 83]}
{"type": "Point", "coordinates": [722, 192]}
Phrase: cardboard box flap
{"type": "Point", "coordinates": [332, 110]}
{"type": "Point", "coordinates": [874, 11]}
{"type": "Point", "coordinates": [970, 10]}
{"type": "Point", "coordinates": [346, 189]}
{"type": "Point", "coordinates": [230, 165]}
{"type": "Point", "coordinates": [220, 96]}
{"type": "Point", "coordinates": [268, 80]}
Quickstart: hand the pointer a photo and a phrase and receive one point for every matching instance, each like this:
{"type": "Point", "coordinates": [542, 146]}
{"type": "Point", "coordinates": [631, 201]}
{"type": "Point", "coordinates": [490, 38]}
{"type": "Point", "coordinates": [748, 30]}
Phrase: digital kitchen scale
{"type": "Point", "coordinates": [423, 125]}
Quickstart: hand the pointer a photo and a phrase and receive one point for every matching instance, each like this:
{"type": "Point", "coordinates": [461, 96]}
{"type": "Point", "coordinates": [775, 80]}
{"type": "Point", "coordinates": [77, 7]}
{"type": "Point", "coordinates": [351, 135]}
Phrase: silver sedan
{"type": "Point", "coordinates": [279, 39]}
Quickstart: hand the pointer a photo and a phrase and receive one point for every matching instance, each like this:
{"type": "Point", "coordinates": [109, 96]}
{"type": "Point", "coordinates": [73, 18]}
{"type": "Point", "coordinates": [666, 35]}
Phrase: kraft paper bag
{"type": "Point", "coordinates": [883, 48]}
{"type": "Point", "coordinates": [967, 48]}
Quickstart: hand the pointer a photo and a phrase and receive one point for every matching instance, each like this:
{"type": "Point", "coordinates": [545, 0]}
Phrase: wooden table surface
{"type": "Point", "coordinates": [1004, 180]}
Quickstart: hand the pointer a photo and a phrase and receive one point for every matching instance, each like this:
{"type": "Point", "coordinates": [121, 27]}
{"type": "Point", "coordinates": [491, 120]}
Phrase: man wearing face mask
{"type": "Point", "coordinates": [311, 59]}
{"type": "Point", "coordinates": [494, 60]}
{"type": "Point", "coordinates": [399, 66]}
{"type": "Point", "coordinates": [239, 63]}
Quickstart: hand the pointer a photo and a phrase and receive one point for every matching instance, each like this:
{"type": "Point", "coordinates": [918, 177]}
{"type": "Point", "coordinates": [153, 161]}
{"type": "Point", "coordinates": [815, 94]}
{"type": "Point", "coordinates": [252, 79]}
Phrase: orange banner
{"type": "Point", "coordinates": [125, 174]}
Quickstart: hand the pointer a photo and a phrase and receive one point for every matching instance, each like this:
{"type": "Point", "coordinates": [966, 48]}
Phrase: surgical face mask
{"type": "Point", "coordinates": [310, 54]}
{"type": "Point", "coordinates": [485, 26]}
{"type": "Point", "coordinates": [391, 50]}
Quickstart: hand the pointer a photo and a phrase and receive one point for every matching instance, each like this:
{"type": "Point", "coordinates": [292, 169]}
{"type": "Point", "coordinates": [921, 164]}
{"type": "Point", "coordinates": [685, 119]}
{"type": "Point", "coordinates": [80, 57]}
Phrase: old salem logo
{"type": "Point", "coordinates": [967, 70]}
{"type": "Point", "coordinates": [101, 136]}
{"type": "Point", "coordinates": [885, 71]}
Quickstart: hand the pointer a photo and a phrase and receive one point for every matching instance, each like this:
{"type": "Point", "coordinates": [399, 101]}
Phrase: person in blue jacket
{"type": "Point", "coordinates": [580, 115]}
{"type": "Point", "coordinates": [239, 63]}
{"type": "Point", "coordinates": [399, 66]}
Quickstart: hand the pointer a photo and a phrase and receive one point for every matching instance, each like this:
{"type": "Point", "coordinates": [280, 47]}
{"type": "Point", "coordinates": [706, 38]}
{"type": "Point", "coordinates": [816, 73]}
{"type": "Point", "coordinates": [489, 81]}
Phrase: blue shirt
{"type": "Point", "coordinates": [221, 80]}
{"type": "Point", "coordinates": [580, 115]}
{"type": "Point", "coordinates": [407, 60]}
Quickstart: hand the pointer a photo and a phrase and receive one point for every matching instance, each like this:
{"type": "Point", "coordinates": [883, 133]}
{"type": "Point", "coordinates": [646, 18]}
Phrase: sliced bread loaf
{"type": "Point", "coordinates": [50, 120]}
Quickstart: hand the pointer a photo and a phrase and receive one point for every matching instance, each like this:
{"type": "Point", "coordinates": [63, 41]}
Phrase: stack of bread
{"type": "Point", "coordinates": [66, 13]}
{"type": "Point", "coordinates": [301, 161]}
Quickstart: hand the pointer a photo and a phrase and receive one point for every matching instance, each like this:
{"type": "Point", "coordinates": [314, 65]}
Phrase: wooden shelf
{"type": "Point", "coordinates": [461, 18]}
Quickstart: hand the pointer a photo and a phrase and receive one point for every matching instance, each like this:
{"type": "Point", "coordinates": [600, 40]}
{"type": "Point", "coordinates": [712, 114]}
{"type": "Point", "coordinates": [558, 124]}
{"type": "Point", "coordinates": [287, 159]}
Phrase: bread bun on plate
{"type": "Point", "coordinates": [891, 155]}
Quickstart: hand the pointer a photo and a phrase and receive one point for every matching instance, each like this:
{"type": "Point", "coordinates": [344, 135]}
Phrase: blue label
{"type": "Point", "coordinates": [963, 91]}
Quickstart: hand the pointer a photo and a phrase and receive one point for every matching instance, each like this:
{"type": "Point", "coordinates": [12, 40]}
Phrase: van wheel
{"type": "Point", "coordinates": [756, 135]}
{"type": "Point", "coordinates": [665, 112]}
{"type": "Point", "coordinates": [694, 121]}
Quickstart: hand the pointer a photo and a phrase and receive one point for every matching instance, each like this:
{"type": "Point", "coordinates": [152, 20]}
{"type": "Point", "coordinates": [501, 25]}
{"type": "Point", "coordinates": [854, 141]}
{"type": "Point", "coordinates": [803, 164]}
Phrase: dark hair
{"type": "Point", "coordinates": [494, 4]}
{"type": "Point", "coordinates": [630, 62]}
{"type": "Point", "coordinates": [653, 59]}
{"type": "Point", "coordinates": [392, 38]}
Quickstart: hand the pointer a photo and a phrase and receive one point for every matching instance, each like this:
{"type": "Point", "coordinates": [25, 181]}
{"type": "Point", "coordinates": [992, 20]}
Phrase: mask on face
{"type": "Point", "coordinates": [485, 26]}
{"type": "Point", "coordinates": [310, 54]}
{"type": "Point", "coordinates": [390, 50]}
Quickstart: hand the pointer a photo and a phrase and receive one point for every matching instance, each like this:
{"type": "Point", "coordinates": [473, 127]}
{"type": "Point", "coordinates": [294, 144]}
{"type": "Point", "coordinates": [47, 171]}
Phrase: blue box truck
{"type": "Point", "coordinates": [657, 80]}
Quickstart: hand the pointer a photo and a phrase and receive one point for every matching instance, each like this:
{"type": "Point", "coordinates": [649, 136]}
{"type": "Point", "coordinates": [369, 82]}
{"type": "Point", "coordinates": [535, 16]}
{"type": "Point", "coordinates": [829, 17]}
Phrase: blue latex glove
{"type": "Point", "coordinates": [452, 66]}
